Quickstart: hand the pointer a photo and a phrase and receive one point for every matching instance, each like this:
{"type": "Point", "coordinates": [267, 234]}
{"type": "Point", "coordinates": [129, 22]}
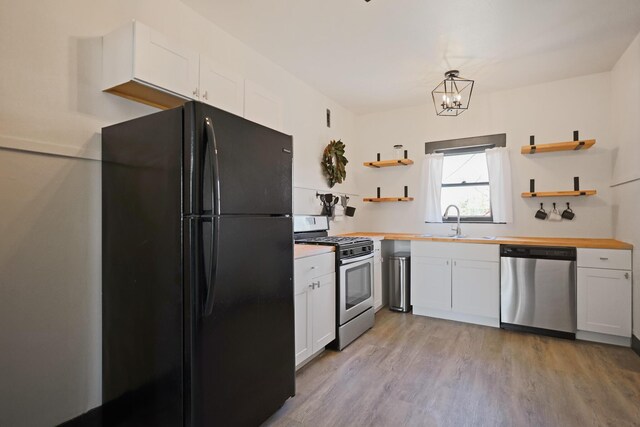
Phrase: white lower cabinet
{"type": "Point", "coordinates": [604, 301]}
{"type": "Point", "coordinates": [302, 309]}
{"type": "Point", "coordinates": [377, 276]}
{"type": "Point", "coordinates": [475, 288]}
{"type": "Point", "coordinates": [431, 282]}
{"type": "Point", "coordinates": [323, 312]}
{"type": "Point", "coordinates": [604, 295]}
{"type": "Point", "coordinates": [456, 281]}
{"type": "Point", "coordinates": [314, 305]}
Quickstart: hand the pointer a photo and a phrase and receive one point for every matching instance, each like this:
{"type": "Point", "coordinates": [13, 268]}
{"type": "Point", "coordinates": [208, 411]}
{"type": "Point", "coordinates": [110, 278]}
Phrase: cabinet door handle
{"type": "Point", "coordinates": [604, 258]}
{"type": "Point", "coordinates": [195, 92]}
{"type": "Point", "coordinates": [205, 95]}
{"type": "Point", "coordinates": [447, 262]}
{"type": "Point", "coordinates": [626, 275]}
{"type": "Point", "coordinates": [312, 285]}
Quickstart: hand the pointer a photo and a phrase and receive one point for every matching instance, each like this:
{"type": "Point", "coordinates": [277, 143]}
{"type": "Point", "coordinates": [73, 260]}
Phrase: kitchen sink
{"type": "Point", "coordinates": [450, 236]}
{"type": "Point", "coordinates": [442, 236]}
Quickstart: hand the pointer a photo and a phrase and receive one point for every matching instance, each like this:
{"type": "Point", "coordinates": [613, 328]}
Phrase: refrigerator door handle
{"type": "Point", "coordinates": [215, 171]}
{"type": "Point", "coordinates": [214, 251]}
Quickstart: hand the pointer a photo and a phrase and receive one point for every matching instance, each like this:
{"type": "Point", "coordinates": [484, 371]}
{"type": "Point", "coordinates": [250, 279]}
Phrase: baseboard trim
{"type": "Point", "coordinates": [93, 418]}
{"type": "Point", "coordinates": [458, 317]}
{"type": "Point", "coordinates": [635, 344]}
{"type": "Point", "coordinates": [310, 359]}
{"type": "Point", "coordinates": [603, 338]}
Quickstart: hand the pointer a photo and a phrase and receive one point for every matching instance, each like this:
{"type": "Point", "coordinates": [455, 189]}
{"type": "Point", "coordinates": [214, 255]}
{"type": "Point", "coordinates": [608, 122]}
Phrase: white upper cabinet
{"type": "Point", "coordinates": [164, 63]}
{"type": "Point", "coordinates": [262, 106]}
{"type": "Point", "coordinates": [221, 87]}
{"type": "Point", "coordinates": [144, 65]}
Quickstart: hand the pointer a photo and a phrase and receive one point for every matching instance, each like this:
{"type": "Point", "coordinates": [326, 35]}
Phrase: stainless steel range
{"type": "Point", "coordinates": [354, 276]}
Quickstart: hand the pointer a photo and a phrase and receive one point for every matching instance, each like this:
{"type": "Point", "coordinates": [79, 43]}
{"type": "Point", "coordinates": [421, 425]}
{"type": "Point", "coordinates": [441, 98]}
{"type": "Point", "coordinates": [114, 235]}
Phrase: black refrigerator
{"type": "Point", "coordinates": [197, 270]}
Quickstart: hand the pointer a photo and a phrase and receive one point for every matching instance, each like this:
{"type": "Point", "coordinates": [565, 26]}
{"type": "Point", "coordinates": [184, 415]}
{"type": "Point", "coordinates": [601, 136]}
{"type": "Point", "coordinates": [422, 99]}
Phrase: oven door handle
{"type": "Point", "coordinates": [352, 260]}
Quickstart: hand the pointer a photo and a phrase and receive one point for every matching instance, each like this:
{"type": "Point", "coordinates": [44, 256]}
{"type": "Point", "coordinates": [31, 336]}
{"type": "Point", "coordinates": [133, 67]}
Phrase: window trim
{"type": "Point", "coordinates": [476, 144]}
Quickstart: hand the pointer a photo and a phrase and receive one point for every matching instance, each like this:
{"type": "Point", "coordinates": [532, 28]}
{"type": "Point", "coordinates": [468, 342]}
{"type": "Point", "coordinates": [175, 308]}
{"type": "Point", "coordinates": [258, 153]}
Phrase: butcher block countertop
{"type": "Point", "coordinates": [501, 240]}
{"type": "Point", "coordinates": [302, 251]}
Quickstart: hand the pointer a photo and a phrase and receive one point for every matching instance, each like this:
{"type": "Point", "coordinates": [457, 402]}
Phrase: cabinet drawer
{"type": "Point", "coordinates": [615, 259]}
{"type": "Point", "coordinates": [308, 268]}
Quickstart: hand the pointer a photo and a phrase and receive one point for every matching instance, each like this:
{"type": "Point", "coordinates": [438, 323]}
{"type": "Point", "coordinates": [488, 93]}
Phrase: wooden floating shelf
{"type": "Point", "coordinates": [388, 199]}
{"type": "Point", "coordinates": [387, 163]}
{"type": "Point", "coordinates": [560, 193]}
{"type": "Point", "coordinates": [558, 146]}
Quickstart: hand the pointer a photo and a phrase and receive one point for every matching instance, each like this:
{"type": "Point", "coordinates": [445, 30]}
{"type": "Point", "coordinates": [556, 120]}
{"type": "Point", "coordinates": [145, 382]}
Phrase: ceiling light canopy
{"type": "Point", "coordinates": [452, 96]}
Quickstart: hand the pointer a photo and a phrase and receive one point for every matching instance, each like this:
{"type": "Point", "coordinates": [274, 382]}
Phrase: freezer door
{"type": "Point", "coordinates": [238, 167]}
{"type": "Point", "coordinates": [242, 340]}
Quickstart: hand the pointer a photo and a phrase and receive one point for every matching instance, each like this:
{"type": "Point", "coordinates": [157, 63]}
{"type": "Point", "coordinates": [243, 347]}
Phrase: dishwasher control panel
{"type": "Point", "coordinates": [542, 252]}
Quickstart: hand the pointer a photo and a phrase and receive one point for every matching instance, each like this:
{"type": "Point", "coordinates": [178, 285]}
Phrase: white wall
{"type": "Point", "coordinates": [50, 314]}
{"type": "Point", "coordinates": [549, 111]}
{"type": "Point", "coordinates": [50, 223]}
{"type": "Point", "coordinates": [626, 124]}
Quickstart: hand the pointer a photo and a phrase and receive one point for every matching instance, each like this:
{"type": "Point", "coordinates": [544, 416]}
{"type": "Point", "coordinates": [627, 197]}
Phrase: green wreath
{"type": "Point", "coordinates": [334, 162]}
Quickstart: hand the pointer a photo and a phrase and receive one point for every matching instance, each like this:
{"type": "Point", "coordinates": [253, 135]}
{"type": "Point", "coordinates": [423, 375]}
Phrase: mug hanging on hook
{"type": "Point", "coordinates": [554, 215]}
{"type": "Point", "coordinates": [541, 213]}
{"type": "Point", "coordinates": [568, 213]}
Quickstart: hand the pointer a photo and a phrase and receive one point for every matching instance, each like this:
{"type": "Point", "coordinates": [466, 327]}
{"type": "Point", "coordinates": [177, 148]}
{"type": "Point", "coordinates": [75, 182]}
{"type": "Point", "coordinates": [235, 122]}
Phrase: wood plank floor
{"type": "Point", "coordinates": [417, 371]}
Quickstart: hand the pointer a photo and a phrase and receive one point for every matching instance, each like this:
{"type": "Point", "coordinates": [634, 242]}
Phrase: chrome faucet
{"type": "Point", "coordinates": [458, 230]}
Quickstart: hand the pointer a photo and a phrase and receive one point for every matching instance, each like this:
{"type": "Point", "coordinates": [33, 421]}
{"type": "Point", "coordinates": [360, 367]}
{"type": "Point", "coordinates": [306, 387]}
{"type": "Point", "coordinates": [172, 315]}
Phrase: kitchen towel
{"type": "Point", "coordinates": [432, 186]}
{"type": "Point", "coordinates": [338, 213]}
{"type": "Point", "coordinates": [500, 185]}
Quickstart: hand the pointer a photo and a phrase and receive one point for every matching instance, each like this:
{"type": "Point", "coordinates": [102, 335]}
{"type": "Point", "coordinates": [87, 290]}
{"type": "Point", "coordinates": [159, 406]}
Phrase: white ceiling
{"type": "Point", "coordinates": [387, 54]}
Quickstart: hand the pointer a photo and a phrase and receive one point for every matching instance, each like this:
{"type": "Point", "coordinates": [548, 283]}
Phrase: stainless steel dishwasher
{"type": "Point", "coordinates": [538, 290]}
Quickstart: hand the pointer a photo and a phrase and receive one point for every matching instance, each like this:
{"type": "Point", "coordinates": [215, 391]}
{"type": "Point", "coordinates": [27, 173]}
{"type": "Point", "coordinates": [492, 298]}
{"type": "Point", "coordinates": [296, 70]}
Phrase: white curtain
{"type": "Point", "coordinates": [432, 186]}
{"type": "Point", "coordinates": [499, 167]}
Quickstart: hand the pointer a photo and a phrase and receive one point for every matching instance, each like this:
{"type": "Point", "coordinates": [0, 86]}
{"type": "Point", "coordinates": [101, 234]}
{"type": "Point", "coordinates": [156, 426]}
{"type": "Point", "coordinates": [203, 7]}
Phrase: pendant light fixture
{"type": "Point", "coordinates": [452, 96]}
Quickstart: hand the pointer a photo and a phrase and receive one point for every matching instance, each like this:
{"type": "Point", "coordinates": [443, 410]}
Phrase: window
{"type": "Point", "coordinates": [465, 176]}
{"type": "Point", "coordinates": [465, 183]}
